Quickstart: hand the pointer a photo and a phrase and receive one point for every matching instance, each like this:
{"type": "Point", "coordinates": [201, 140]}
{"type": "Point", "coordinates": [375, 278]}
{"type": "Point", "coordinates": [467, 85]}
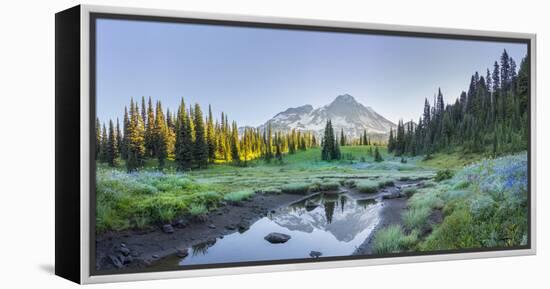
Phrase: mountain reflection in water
{"type": "Point", "coordinates": [334, 225]}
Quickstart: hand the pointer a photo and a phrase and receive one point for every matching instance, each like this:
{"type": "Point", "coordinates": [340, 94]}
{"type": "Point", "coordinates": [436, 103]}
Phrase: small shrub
{"type": "Point", "coordinates": [461, 185]}
{"type": "Point", "coordinates": [392, 240]}
{"type": "Point", "coordinates": [350, 183]}
{"type": "Point", "coordinates": [238, 196]}
{"type": "Point", "coordinates": [295, 188]}
{"type": "Point", "coordinates": [442, 175]}
{"type": "Point", "coordinates": [409, 192]}
{"type": "Point", "coordinates": [197, 209]}
{"type": "Point", "coordinates": [403, 160]}
{"type": "Point", "coordinates": [428, 184]}
{"type": "Point", "coordinates": [271, 190]}
{"type": "Point", "coordinates": [366, 186]}
{"type": "Point", "coordinates": [416, 218]}
{"type": "Point", "coordinates": [329, 186]}
{"type": "Point", "coordinates": [385, 183]}
{"type": "Point", "coordinates": [456, 231]}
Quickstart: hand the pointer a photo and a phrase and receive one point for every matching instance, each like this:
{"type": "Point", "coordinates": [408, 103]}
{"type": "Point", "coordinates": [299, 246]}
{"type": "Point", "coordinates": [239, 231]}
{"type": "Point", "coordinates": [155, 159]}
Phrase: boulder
{"type": "Point", "coordinates": [315, 254]}
{"type": "Point", "coordinates": [212, 226]}
{"type": "Point", "coordinates": [231, 227]}
{"type": "Point", "coordinates": [181, 223]}
{"type": "Point", "coordinates": [168, 229]}
{"type": "Point", "coordinates": [182, 253]}
{"type": "Point", "coordinates": [124, 250]}
{"type": "Point", "coordinates": [277, 238]}
{"type": "Point", "coordinates": [116, 261]}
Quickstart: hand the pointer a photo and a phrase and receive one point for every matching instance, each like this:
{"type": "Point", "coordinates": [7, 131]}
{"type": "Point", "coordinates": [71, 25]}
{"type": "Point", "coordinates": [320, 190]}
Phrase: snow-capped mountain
{"type": "Point", "coordinates": [344, 112]}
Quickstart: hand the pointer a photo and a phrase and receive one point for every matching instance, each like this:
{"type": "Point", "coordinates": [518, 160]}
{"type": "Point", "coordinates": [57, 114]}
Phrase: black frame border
{"type": "Point", "coordinates": [94, 16]}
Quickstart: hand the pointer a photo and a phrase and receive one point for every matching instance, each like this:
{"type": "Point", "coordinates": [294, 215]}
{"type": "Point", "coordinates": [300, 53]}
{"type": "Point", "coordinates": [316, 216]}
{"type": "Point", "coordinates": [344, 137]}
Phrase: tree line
{"type": "Point", "coordinates": [491, 117]}
{"type": "Point", "coordinates": [330, 144]}
{"type": "Point", "coordinates": [189, 138]}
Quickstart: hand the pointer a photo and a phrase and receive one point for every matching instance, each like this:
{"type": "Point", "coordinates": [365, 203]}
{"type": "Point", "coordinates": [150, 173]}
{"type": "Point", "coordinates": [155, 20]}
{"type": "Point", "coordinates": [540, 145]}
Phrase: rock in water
{"type": "Point", "coordinates": [277, 238]}
{"type": "Point", "coordinates": [212, 226]}
{"type": "Point", "coordinates": [315, 254]}
{"type": "Point", "coordinates": [168, 229]}
{"type": "Point", "coordinates": [116, 261]}
{"type": "Point", "coordinates": [124, 250]}
{"type": "Point", "coordinates": [182, 253]}
{"type": "Point", "coordinates": [181, 223]}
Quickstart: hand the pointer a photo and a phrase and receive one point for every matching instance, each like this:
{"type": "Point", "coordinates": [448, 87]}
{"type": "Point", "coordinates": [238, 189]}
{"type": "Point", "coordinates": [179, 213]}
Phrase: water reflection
{"type": "Point", "coordinates": [334, 225]}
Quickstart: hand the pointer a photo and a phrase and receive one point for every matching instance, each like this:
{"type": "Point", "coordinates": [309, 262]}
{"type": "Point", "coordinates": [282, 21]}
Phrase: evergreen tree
{"type": "Point", "coordinates": [210, 136]}
{"type": "Point", "coordinates": [111, 153]}
{"type": "Point", "coordinates": [331, 148]}
{"type": "Point", "coordinates": [103, 150]}
{"type": "Point", "coordinates": [268, 144]}
{"type": "Point", "coordinates": [136, 143]}
{"type": "Point", "coordinates": [184, 142]}
{"type": "Point", "coordinates": [118, 139]}
{"type": "Point", "coordinates": [200, 153]}
{"type": "Point", "coordinates": [150, 122]}
{"type": "Point", "coordinates": [159, 136]}
{"type": "Point", "coordinates": [377, 155]}
{"type": "Point", "coordinates": [235, 154]}
{"type": "Point", "coordinates": [125, 125]}
{"type": "Point", "coordinates": [97, 139]}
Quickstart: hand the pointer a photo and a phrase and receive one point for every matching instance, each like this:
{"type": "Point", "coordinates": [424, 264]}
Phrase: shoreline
{"type": "Point", "coordinates": [139, 249]}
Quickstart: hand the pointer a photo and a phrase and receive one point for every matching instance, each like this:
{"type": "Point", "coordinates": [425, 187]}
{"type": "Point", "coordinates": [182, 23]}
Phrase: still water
{"type": "Point", "coordinates": [334, 225]}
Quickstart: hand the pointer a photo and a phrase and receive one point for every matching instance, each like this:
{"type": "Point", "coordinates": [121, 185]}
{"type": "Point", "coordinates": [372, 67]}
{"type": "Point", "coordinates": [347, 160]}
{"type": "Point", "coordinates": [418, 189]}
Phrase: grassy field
{"type": "Point", "coordinates": [483, 205]}
{"type": "Point", "coordinates": [141, 199]}
{"type": "Point", "coordinates": [483, 202]}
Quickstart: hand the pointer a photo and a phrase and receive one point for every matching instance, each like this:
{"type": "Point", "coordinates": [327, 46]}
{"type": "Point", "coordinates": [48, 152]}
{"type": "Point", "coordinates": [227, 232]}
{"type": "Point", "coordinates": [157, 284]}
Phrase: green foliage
{"type": "Point", "coordinates": [377, 156]}
{"type": "Point", "coordinates": [238, 195]}
{"type": "Point", "coordinates": [367, 186]}
{"type": "Point", "coordinates": [385, 183]}
{"type": "Point", "coordinates": [330, 146]}
{"type": "Point", "coordinates": [457, 231]}
{"type": "Point", "coordinates": [392, 239]}
{"type": "Point", "coordinates": [409, 192]}
{"type": "Point", "coordinates": [197, 209]}
{"type": "Point", "coordinates": [443, 175]}
{"type": "Point", "coordinates": [329, 186]}
{"type": "Point", "coordinates": [295, 188]}
{"type": "Point", "coordinates": [143, 199]}
{"type": "Point", "coordinates": [485, 205]}
{"type": "Point", "coordinates": [490, 118]}
{"type": "Point", "coordinates": [416, 218]}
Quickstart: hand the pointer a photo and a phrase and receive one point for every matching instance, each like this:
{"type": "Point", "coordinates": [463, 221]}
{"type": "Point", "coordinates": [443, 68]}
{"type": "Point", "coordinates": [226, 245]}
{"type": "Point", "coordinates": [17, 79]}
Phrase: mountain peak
{"type": "Point", "coordinates": [345, 112]}
{"type": "Point", "coordinates": [345, 99]}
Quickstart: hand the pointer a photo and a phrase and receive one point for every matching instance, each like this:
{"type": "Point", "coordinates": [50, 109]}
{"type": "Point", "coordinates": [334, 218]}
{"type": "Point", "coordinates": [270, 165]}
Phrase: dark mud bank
{"type": "Point", "coordinates": [135, 249]}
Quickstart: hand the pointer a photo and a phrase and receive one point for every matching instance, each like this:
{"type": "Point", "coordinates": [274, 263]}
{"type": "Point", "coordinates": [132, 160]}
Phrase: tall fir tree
{"type": "Point", "coordinates": [111, 153]}
{"type": "Point", "coordinates": [184, 142]}
{"type": "Point", "coordinates": [136, 141]}
{"type": "Point", "coordinates": [210, 136]}
{"type": "Point", "coordinates": [159, 136]}
{"type": "Point", "coordinates": [200, 152]}
{"type": "Point", "coordinates": [103, 150]}
{"type": "Point", "coordinates": [97, 138]}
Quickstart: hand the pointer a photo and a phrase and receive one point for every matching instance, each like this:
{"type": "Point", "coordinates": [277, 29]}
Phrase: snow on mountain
{"type": "Point", "coordinates": [344, 112]}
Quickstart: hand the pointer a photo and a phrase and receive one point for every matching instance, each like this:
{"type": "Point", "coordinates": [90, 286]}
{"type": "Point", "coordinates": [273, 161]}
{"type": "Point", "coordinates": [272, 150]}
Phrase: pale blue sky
{"type": "Point", "coordinates": [254, 73]}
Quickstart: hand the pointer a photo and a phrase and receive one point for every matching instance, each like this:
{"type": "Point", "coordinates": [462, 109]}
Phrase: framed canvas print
{"type": "Point", "coordinates": [191, 144]}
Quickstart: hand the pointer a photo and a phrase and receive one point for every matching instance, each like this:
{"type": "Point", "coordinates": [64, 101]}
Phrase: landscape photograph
{"type": "Point", "coordinates": [220, 145]}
